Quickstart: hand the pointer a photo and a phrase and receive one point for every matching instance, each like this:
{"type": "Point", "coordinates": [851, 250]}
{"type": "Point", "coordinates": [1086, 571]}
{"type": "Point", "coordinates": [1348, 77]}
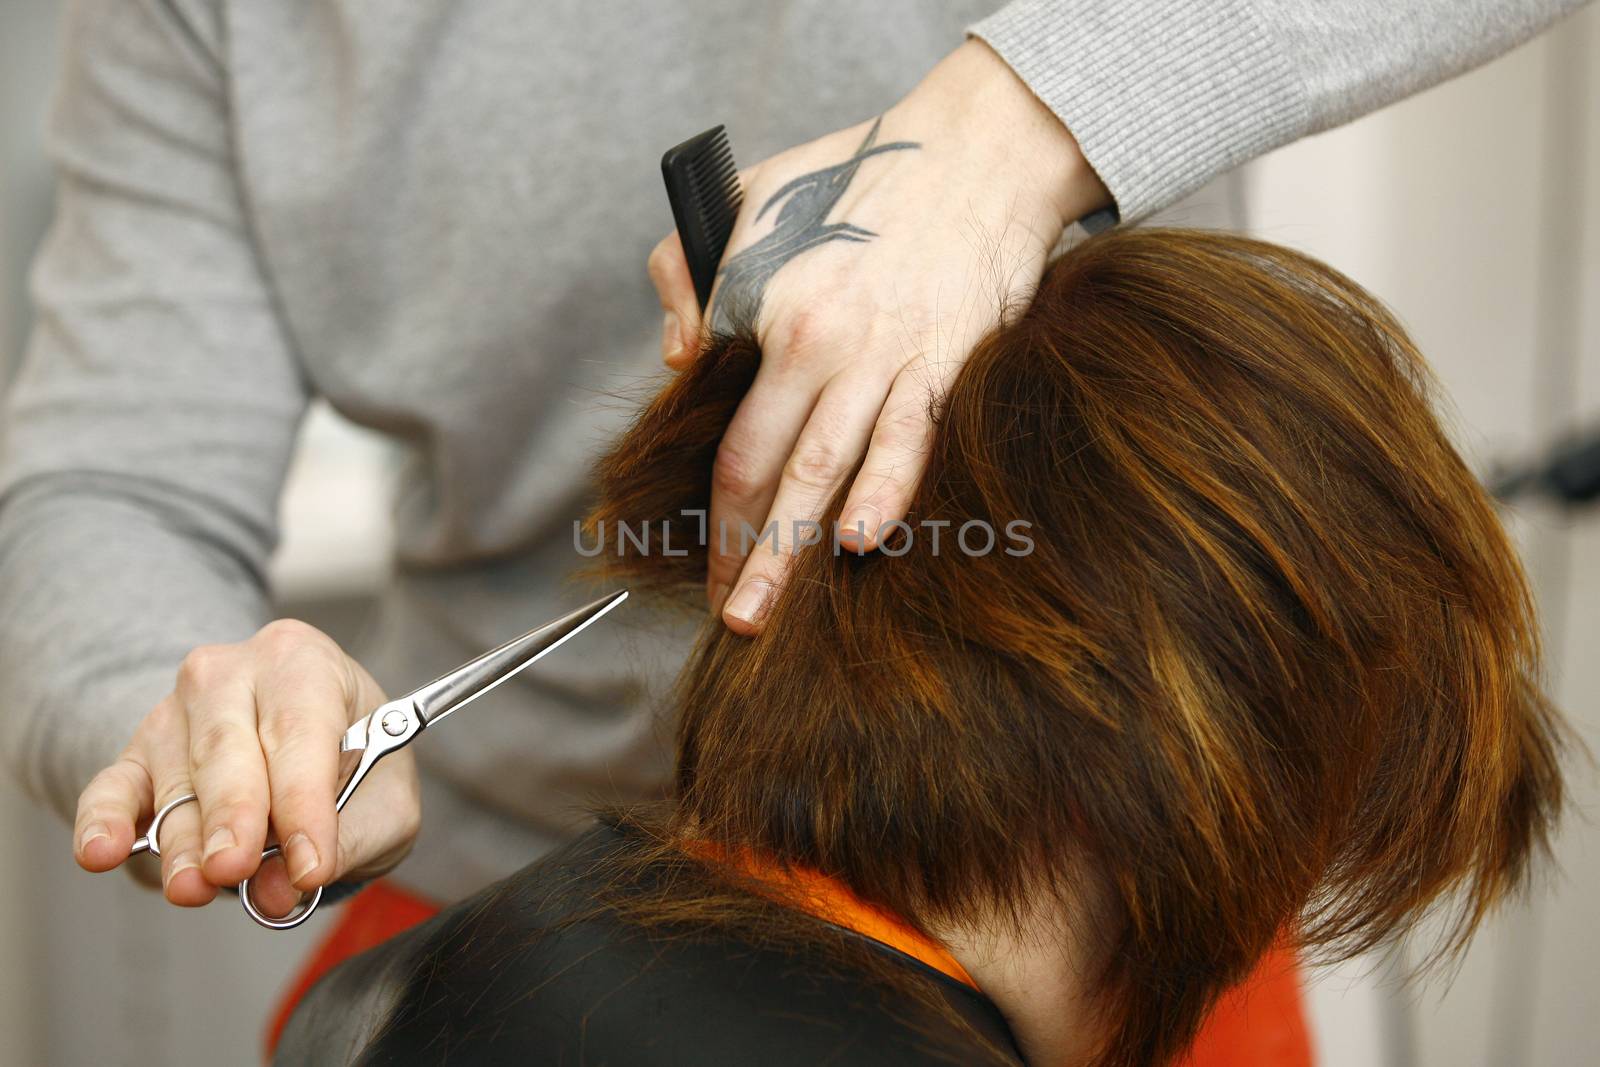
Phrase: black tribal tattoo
{"type": "Point", "coordinates": [802, 224]}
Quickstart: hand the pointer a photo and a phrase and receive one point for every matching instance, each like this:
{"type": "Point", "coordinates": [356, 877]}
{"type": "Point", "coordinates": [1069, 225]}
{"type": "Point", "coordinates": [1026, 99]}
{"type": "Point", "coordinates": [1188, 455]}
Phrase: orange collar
{"type": "Point", "coordinates": [832, 901]}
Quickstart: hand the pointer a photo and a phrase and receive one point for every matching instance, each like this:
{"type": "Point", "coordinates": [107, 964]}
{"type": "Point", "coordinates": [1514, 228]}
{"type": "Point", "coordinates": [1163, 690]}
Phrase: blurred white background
{"type": "Point", "coordinates": [1474, 210]}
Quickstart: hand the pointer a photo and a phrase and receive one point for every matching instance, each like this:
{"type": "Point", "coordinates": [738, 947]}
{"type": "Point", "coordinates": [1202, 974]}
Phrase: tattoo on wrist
{"type": "Point", "coordinates": [802, 224]}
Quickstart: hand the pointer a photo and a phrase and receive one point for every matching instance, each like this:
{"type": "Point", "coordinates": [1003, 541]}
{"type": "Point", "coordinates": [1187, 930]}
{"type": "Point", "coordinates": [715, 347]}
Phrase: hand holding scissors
{"type": "Point", "coordinates": [396, 723]}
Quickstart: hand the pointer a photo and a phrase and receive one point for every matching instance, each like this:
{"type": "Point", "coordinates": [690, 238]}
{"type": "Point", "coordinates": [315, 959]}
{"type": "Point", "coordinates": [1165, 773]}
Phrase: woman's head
{"type": "Point", "coordinates": [1249, 654]}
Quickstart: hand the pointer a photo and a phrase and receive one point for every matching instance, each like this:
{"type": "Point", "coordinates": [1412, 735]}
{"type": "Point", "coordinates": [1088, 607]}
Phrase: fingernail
{"type": "Point", "coordinates": [671, 336]}
{"type": "Point", "coordinates": [180, 863]}
{"type": "Point", "coordinates": [748, 603]}
{"type": "Point", "coordinates": [862, 525]}
{"type": "Point", "coordinates": [301, 855]}
{"type": "Point", "coordinates": [719, 594]}
{"type": "Point", "coordinates": [220, 838]}
{"type": "Point", "coordinates": [92, 833]}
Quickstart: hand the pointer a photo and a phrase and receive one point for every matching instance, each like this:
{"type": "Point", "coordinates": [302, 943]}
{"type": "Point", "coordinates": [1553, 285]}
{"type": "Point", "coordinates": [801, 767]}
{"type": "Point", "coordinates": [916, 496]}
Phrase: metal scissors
{"type": "Point", "coordinates": [394, 725]}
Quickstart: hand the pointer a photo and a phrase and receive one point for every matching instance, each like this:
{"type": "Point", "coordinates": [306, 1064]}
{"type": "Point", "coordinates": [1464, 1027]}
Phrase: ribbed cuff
{"type": "Point", "coordinates": [338, 891]}
{"type": "Point", "coordinates": [1162, 95]}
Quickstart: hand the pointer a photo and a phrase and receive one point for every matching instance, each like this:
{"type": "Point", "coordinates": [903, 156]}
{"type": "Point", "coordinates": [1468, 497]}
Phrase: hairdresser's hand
{"type": "Point", "coordinates": [253, 729]}
{"type": "Point", "coordinates": [869, 263]}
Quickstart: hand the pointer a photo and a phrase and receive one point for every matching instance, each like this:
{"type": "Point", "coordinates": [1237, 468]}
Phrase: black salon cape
{"type": "Point", "coordinates": [488, 982]}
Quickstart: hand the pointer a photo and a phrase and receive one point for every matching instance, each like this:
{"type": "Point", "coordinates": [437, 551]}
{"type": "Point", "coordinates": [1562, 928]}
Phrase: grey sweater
{"type": "Point", "coordinates": [435, 214]}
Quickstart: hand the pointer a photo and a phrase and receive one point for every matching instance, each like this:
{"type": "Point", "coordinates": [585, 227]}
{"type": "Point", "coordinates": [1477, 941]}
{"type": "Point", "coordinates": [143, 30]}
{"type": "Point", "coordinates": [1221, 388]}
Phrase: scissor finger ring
{"type": "Point", "coordinates": [301, 912]}
{"type": "Point", "coordinates": [151, 841]}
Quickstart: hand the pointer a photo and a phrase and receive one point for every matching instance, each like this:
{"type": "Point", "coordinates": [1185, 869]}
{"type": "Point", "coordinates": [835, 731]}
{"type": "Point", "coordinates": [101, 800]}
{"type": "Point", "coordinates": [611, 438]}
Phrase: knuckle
{"type": "Point", "coordinates": [201, 666]}
{"type": "Point", "coordinates": [217, 742]}
{"type": "Point", "coordinates": [796, 337]}
{"type": "Point", "coordinates": [286, 635]}
{"type": "Point", "coordinates": [131, 771]}
{"type": "Point", "coordinates": [171, 786]}
{"type": "Point", "coordinates": [813, 464]}
{"type": "Point", "coordinates": [733, 476]}
{"type": "Point", "coordinates": [286, 727]}
{"type": "Point", "coordinates": [116, 779]}
{"type": "Point", "coordinates": [897, 434]}
{"type": "Point", "coordinates": [903, 427]}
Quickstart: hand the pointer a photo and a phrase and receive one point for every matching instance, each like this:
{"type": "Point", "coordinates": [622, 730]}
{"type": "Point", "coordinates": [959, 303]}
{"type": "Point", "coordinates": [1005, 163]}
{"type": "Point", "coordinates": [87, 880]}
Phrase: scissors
{"type": "Point", "coordinates": [394, 725]}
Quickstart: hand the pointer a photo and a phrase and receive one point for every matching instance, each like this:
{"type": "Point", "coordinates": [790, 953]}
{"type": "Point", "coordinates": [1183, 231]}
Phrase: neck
{"type": "Point", "coordinates": [1032, 970]}
{"type": "Point", "coordinates": [1033, 973]}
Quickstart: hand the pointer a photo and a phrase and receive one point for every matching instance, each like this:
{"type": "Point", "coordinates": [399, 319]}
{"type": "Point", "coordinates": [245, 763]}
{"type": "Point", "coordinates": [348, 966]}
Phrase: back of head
{"type": "Point", "coordinates": [1197, 620]}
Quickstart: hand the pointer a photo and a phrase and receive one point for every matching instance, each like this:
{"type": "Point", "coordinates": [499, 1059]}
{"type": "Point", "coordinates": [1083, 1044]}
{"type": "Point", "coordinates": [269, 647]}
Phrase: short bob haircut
{"type": "Point", "coordinates": [1270, 670]}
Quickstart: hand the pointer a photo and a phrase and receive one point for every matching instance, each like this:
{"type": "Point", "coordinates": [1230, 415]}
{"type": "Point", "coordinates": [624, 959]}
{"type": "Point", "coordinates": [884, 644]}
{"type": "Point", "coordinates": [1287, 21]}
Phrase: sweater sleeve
{"type": "Point", "coordinates": [1163, 95]}
{"type": "Point", "coordinates": [144, 443]}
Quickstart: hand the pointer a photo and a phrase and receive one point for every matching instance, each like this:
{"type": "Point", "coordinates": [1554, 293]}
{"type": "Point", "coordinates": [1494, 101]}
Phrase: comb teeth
{"type": "Point", "coordinates": [714, 180]}
{"type": "Point", "coordinates": [703, 186]}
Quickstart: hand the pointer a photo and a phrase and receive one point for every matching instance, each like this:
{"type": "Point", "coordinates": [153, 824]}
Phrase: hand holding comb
{"type": "Point", "coordinates": [703, 187]}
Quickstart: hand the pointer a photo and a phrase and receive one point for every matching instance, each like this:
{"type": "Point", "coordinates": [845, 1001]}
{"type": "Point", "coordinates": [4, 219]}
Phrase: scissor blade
{"type": "Point", "coordinates": [470, 681]}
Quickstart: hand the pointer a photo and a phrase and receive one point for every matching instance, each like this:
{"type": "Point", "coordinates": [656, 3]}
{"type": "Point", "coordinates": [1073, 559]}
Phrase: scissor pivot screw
{"type": "Point", "coordinates": [394, 723]}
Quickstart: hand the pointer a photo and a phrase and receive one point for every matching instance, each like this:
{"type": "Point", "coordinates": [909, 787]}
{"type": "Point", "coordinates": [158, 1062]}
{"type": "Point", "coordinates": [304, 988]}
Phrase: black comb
{"type": "Point", "coordinates": [703, 186]}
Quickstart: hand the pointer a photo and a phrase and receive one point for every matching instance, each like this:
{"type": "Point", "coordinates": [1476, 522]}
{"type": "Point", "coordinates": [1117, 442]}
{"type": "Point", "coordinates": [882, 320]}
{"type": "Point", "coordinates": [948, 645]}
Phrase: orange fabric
{"type": "Point", "coordinates": [368, 919]}
{"type": "Point", "coordinates": [832, 901]}
{"type": "Point", "coordinates": [1258, 1024]}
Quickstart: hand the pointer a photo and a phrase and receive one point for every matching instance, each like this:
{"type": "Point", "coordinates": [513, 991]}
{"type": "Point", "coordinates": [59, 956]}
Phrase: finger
{"type": "Point", "coordinates": [164, 740]}
{"type": "Point", "coordinates": [826, 452]}
{"type": "Point", "coordinates": [376, 830]}
{"type": "Point", "coordinates": [680, 326]}
{"type": "Point", "coordinates": [305, 699]}
{"type": "Point", "coordinates": [749, 464]}
{"type": "Point", "coordinates": [897, 456]}
{"type": "Point", "coordinates": [226, 768]}
{"type": "Point", "coordinates": [270, 890]}
{"type": "Point", "coordinates": [109, 812]}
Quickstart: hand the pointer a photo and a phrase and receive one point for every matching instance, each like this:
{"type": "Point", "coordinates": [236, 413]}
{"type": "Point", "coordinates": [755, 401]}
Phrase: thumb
{"type": "Point", "coordinates": [381, 820]}
{"type": "Point", "coordinates": [680, 326]}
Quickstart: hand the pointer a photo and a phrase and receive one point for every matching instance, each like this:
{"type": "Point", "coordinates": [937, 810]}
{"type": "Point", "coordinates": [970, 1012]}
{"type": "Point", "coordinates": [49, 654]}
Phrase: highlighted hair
{"type": "Point", "coordinates": [1270, 670]}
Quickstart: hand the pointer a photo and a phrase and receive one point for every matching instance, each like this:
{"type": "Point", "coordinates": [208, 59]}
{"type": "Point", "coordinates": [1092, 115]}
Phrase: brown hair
{"type": "Point", "coordinates": [1270, 667]}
